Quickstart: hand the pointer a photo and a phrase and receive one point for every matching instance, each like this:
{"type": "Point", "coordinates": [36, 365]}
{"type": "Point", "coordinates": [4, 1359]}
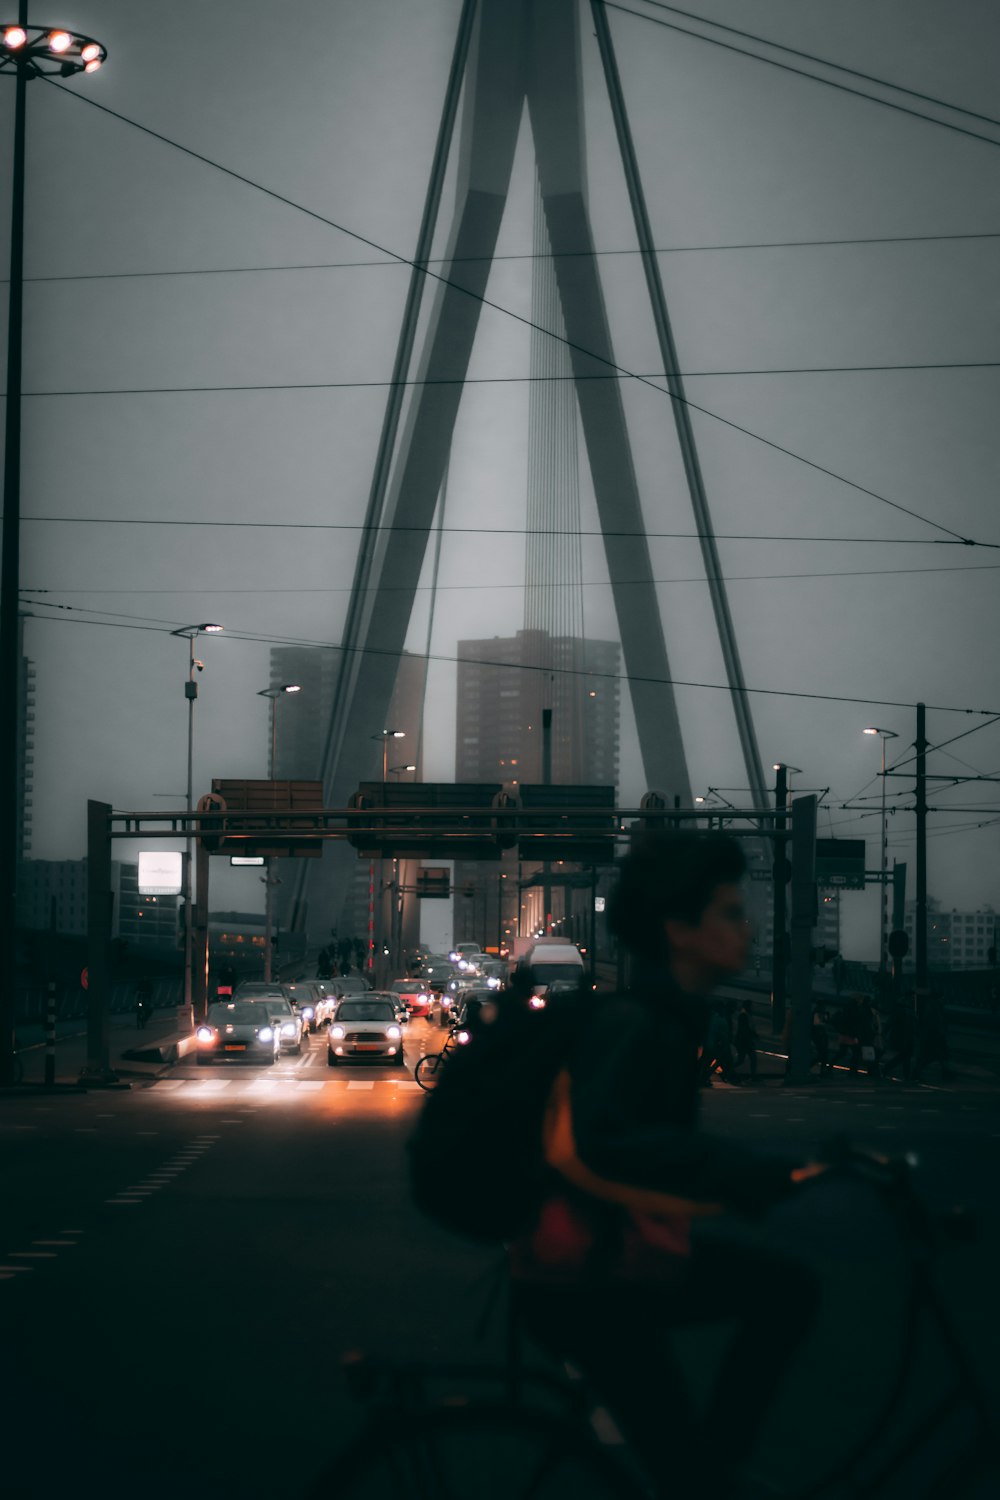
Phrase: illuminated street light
{"type": "Point", "coordinates": [26, 52]}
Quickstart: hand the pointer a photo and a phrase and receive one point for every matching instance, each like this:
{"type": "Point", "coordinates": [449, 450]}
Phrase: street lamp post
{"type": "Point", "coordinates": [385, 737]}
{"type": "Point", "coordinates": [396, 924]}
{"type": "Point", "coordinates": [883, 734]}
{"type": "Point", "coordinates": [273, 693]}
{"type": "Point", "coordinates": [190, 633]}
{"type": "Point", "coordinates": [27, 52]}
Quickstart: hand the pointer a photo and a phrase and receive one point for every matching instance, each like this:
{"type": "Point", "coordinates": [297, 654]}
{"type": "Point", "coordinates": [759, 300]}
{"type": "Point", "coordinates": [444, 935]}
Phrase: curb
{"type": "Point", "coordinates": [169, 1049]}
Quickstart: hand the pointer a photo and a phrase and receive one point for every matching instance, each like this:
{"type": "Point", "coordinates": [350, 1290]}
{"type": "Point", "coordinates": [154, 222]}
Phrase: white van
{"type": "Point", "coordinates": [550, 959]}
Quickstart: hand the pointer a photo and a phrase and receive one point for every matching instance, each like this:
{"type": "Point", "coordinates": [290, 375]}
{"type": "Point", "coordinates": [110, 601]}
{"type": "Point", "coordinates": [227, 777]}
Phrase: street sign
{"type": "Point", "coordinates": [434, 883]}
{"type": "Point", "coordinates": [599, 903]}
{"type": "Point", "coordinates": [421, 820]}
{"type": "Point", "coordinates": [161, 872]}
{"type": "Point", "coordinates": [841, 862]}
{"type": "Point", "coordinates": [246, 859]}
{"type": "Point", "coordinates": [287, 797]}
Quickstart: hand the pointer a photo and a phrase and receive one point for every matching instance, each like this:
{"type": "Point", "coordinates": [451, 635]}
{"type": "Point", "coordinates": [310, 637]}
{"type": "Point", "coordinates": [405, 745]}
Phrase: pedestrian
{"type": "Point", "coordinates": [899, 1036]}
{"type": "Point", "coordinates": [932, 1037]}
{"type": "Point", "coordinates": [717, 1052]}
{"type": "Point", "coordinates": [622, 1249]}
{"type": "Point", "coordinates": [820, 1039]}
{"type": "Point", "coordinates": [746, 1040]}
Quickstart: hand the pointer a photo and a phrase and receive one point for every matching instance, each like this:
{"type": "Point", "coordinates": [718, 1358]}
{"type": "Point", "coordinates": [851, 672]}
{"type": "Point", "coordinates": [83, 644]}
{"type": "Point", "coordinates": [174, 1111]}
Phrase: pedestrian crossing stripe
{"type": "Point", "coordinates": [279, 1085]}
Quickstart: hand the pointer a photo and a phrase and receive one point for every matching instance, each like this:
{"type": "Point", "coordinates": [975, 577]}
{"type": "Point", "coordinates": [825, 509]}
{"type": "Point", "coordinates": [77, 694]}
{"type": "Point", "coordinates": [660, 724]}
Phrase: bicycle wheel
{"type": "Point", "coordinates": [428, 1070]}
{"type": "Point", "coordinates": [487, 1451]}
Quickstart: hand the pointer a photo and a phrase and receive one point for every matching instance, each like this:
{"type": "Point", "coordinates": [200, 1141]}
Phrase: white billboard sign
{"type": "Point", "coordinates": [161, 872]}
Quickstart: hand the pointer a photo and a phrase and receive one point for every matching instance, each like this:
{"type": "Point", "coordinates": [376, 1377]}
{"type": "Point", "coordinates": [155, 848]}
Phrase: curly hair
{"type": "Point", "coordinates": [669, 875]}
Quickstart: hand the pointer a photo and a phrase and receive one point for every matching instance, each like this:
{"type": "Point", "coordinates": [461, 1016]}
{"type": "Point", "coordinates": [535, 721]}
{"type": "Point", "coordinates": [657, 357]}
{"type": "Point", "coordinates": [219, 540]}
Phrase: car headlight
{"type": "Point", "coordinates": [462, 1037]}
{"type": "Point", "coordinates": [493, 984]}
{"type": "Point", "coordinates": [446, 1002]}
{"type": "Point", "coordinates": [393, 1032]}
{"type": "Point", "coordinates": [288, 1029]}
{"type": "Point", "coordinates": [308, 1012]}
{"type": "Point", "coordinates": [265, 1034]}
{"type": "Point", "coordinates": [426, 998]}
{"type": "Point", "coordinates": [205, 1034]}
{"type": "Point", "coordinates": [537, 1002]}
{"type": "Point", "coordinates": [338, 1032]}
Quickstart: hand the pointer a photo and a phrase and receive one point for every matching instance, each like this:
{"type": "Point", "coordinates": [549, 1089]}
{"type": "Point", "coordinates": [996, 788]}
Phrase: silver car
{"type": "Point", "coordinates": [291, 1026]}
{"type": "Point", "coordinates": [237, 1031]}
{"type": "Point", "coordinates": [365, 1027]}
{"type": "Point", "coordinates": [313, 999]}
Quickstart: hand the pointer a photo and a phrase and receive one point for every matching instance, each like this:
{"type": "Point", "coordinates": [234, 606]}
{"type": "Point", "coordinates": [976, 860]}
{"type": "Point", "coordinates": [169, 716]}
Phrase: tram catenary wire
{"type": "Point", "coordinates": [506, 311]}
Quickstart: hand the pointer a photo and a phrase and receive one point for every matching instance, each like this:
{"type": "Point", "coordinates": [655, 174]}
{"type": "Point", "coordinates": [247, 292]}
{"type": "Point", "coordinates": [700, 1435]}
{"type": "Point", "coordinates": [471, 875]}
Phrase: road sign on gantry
{"type": "Point", "coordinates": [428, 820]}
{"type": "Point", "coordinates": [295, 799]}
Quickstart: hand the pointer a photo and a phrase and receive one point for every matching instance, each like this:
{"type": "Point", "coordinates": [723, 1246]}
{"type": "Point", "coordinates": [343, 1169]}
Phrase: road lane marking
{"type": "Point", "coordinates": [171, 1083]}
{"type": "Point", "coordinates": [305, 1087]}
{"type": "Point", "coordinates": [147, 1132]}
{"type": "Point", "coordinates": [211, 1085]}
{"type": "Point", "coordinates": [34, 1255]}
{"type": "Point", "coordinates": [357, 1085]}
{"type": "Point", "coordinates": [14, 1269]}
{"type": "Point", "coordinates": [122, 1201]}
{"type": "Point", "coordinates": [53, 1242]}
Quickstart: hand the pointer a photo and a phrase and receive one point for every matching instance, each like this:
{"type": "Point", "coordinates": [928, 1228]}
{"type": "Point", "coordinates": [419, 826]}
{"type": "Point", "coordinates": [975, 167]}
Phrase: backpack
{"type": "Point", "coordinates": [476, 1157]}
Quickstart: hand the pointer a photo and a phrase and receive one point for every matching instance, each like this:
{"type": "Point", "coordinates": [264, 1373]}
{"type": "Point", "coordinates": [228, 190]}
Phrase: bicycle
{"type": "Point", "coordinates": [428, 1069]}
{"type": "Point", "coordinates": [534, 1438]}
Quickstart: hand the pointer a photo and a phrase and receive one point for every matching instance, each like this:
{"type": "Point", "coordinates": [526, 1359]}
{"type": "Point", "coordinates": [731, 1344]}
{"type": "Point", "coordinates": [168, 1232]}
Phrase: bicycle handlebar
{"type": "Point", "coordinates": [893, 1178]}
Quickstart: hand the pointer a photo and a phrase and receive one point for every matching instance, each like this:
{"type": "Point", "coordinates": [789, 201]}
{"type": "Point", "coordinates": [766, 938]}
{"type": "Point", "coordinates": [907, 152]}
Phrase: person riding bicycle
{"type": "Point", "coordinates": [624, 1247]}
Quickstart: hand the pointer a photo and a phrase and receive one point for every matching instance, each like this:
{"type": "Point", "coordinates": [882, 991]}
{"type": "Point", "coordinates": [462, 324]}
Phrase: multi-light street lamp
{"type": "Point", "coordinates": [884, 734]}
{"type": "Point", "coordinates": [270, 881]}
{"type": "Point", "coordinates": [25, 52]}
{"type": "Point", "coordinates": [385, 737]}
{"type": "Point", "coordinates": [190, 633]}
{"type": "Point", "coordinates": [398, 770]}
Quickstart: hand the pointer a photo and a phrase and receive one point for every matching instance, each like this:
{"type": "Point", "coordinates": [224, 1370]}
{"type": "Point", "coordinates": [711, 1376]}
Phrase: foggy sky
{"type": "Point", "coordinates": [336, 105]}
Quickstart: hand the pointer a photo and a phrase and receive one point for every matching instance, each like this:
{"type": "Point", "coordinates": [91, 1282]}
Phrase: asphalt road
{"type": "Point", "coordinates": [182, 1266]}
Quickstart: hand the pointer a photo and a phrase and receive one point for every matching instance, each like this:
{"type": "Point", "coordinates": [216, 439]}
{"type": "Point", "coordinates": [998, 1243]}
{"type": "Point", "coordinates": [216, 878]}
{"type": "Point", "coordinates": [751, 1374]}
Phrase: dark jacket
{"type": "Point", "coordinates": [635, 1103]}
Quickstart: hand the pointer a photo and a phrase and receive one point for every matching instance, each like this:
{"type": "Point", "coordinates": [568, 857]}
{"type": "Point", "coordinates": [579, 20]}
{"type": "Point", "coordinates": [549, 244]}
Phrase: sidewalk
{"type": "Point", "coordinates": [975, 1060]}
{"type": "Point", "coordinates": [134, 1053]}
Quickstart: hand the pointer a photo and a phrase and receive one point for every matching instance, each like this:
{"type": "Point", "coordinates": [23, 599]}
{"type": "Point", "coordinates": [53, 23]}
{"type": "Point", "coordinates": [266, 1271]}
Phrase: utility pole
{"type": "Point", "coordinates": [920, 921]}
{"type": "Point", "coordinates": [779, 870]}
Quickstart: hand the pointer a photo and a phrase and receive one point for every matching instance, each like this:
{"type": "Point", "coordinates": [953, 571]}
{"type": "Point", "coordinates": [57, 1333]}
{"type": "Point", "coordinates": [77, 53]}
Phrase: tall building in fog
{"type": "Point", "coordinates": [501, 695]}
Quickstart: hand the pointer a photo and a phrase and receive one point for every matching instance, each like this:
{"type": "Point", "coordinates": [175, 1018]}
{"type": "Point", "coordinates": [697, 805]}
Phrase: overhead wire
{"type": "Point", "coordinates": [823, 61]}
{"type": "Point", "coordinates": [771, 62]}
{"type": "Point", "coordinates": [505, 311]}
{"type": "Point", "coordinates": [481, 586]}
{"type": "Point", "coordinates": [353, 265]}
{"type": "Point", "coordinates": [644, 379]}
{"type": "Point", "coordinates": [732, 536]}
{"type": "Point", "coordinates": [75, 614]}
